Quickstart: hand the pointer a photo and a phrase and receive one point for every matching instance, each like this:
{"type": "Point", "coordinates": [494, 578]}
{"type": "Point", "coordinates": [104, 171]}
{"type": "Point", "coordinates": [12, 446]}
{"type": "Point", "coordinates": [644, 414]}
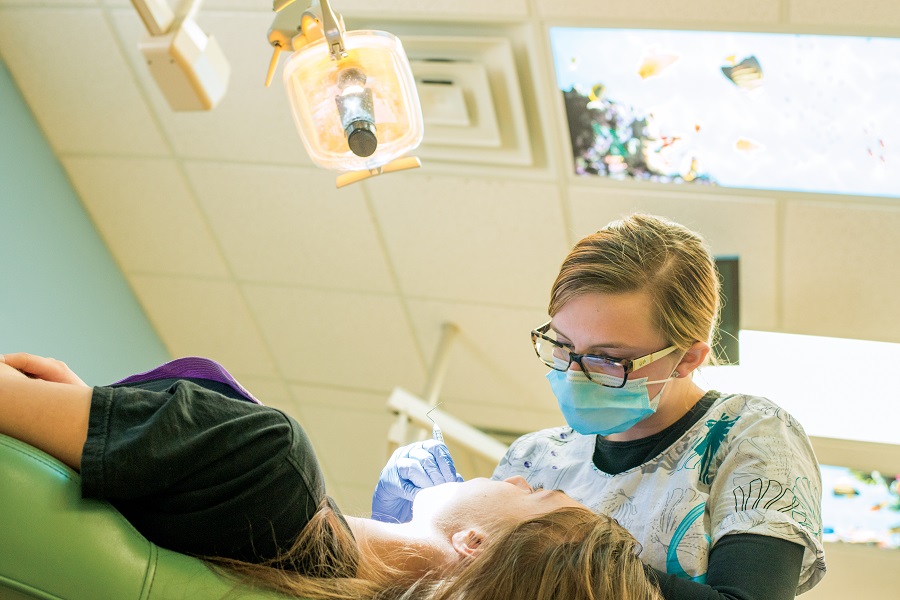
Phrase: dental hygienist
{"type": "Point", "coordinates": [723, 491]}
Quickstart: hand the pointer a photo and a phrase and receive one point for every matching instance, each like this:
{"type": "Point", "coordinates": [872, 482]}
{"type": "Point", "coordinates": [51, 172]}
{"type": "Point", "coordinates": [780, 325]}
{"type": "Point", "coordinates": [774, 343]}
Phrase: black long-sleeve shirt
{"type": "Point", "coordinates": [198, 469]}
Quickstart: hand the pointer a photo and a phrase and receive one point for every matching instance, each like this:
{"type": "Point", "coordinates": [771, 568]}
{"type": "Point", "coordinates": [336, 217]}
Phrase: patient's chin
{"type": "Point", "coordinates": [436, 501]}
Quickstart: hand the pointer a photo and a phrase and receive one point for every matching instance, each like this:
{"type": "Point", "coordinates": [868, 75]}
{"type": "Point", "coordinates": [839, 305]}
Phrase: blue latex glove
{"type": "Point", "coordinates": [410, 469]}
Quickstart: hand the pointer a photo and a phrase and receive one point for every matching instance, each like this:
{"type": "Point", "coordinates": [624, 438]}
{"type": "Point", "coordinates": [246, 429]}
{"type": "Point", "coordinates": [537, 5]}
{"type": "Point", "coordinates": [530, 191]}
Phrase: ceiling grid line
{"type": "Point", "coordinates": [107, 11]}
{"type": "Point", "coordinates": [228, 266]}
{"type": "Point", "coordinates": [392, 272]}
{"type": "Point", "coordinates": [180, 165]}
{"type": "Point", "coordinates": [560, 153]}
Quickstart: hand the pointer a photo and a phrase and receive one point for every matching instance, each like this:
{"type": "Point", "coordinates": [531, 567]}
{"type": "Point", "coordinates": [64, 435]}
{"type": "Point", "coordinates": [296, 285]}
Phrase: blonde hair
{"type": "Point", "coordinates": [569, 553]}
{"type": "Point", "coordinates": [648, 253]}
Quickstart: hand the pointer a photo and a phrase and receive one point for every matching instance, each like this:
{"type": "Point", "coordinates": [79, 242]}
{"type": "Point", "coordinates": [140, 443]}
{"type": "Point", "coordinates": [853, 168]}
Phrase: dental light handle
{"type": "Point", "coordinates": [399, 164]}
{"type": "Point", "coordinates": [273, 64]}
{"type": "Point", "coordinates": [295, 27]}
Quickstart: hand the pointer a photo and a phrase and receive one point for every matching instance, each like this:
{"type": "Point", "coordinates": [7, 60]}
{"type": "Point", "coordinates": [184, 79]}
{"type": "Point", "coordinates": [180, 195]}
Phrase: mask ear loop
{"type": "Point", "coordinates": [675, 374]}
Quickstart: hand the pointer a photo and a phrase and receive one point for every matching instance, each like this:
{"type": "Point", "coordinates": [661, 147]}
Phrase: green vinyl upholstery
{"type": "Point", "coordinates": [55, 544]}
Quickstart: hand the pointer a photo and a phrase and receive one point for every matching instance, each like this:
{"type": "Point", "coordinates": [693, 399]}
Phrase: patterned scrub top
{"type": "Point", "coordinates": [746, 466]}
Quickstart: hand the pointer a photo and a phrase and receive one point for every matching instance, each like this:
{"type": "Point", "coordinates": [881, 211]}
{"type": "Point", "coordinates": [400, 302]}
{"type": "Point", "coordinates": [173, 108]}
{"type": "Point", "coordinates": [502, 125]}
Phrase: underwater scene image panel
{"type": "Point", "coordinates": [791, 112]}
{"type": "Point", "coordinates": [860, 507]}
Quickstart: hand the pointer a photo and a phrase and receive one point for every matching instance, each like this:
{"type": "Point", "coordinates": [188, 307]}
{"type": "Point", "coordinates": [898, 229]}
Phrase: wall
{"type": "Point", "coordinates": [61, 294]}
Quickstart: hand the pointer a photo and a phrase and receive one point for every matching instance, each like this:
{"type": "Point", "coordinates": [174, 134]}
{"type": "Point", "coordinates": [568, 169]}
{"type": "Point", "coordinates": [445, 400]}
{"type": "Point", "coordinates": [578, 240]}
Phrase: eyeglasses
{"type": "Point", "coordinates": [611, 372]}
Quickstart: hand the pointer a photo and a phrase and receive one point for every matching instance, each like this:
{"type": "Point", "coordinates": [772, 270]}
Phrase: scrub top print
{"type": "Point", "coordinates": [745, 467]}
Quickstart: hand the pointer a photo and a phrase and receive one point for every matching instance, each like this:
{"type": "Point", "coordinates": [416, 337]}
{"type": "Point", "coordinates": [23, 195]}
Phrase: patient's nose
{"type": "Point", "coordinates": [519, 482]}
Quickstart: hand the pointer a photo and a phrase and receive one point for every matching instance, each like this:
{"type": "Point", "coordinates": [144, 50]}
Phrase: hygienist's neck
{"type": "Point", "coordinates": [675, 403]}
{"type": "Point", "coordinates": [412, 547]}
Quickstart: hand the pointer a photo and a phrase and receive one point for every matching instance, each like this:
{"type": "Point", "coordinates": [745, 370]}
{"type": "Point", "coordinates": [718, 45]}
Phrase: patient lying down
{"type": "Point", "coordinates": [200, 467]}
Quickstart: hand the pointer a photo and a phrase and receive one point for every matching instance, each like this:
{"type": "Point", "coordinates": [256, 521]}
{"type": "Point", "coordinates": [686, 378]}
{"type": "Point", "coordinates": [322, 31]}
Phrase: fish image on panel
{"type": "Point", "coordinates": [655, 63]}
{"type": "Point", "coordinates": [748, 145]}
{"type": "Point", "coordinates": [746, 74]}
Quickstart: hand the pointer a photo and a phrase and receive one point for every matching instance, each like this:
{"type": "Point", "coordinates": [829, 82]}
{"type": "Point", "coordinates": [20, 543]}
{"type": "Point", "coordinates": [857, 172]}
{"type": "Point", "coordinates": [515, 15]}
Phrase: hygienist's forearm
{"type": "Point", "coordinates": [49, 416]}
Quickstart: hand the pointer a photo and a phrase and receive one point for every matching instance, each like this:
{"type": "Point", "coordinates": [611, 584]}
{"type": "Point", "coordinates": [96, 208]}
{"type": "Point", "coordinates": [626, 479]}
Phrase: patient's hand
{"type": "Point", "coordinates": [39, 367]}
{"type": "Point", "coordinates": [7, 372]}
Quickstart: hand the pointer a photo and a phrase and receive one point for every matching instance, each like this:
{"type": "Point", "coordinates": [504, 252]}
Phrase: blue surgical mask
{"type": "Point", "coordinates": [592, 409]}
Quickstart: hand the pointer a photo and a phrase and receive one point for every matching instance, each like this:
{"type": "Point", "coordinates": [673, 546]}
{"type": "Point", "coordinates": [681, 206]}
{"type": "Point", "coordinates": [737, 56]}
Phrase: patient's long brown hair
{"type": "Point", "coordinates": [322, 564]}
{"type": "Point", "coordinates": [569, 553]}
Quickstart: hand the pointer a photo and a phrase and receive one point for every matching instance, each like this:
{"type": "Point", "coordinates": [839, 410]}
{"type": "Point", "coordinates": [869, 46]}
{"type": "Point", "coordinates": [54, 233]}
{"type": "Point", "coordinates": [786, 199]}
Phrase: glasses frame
{"type": "Point", "coordinates": [629, 365]}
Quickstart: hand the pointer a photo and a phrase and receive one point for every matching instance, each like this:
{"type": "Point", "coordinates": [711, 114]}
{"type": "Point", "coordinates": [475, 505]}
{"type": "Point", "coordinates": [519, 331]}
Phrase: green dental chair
{"type": "Point", "coordinates": [56, 545]}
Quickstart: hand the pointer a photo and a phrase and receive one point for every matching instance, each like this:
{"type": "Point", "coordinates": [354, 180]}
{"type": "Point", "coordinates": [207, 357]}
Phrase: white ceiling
{"type": "Point", "coordinates": [322, 300]}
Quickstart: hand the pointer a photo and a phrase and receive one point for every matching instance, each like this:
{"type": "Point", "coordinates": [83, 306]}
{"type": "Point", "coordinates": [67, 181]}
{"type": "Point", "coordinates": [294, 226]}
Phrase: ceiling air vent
{"type": "Point", "coordinates": [471, 100]}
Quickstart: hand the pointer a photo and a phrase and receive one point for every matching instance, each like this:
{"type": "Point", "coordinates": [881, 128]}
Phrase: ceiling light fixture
{"type": "Point", "coordinates": [188, 66]}
{"type": "Point", "coordinates": [352, 93]}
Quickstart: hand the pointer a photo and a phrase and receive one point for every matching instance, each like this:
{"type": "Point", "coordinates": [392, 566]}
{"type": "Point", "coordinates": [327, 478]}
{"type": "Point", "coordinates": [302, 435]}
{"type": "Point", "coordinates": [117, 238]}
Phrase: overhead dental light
{"type": "Point", "coordinates": [188, 66]}
{"type": "Point", "coordinates": [352, 93]}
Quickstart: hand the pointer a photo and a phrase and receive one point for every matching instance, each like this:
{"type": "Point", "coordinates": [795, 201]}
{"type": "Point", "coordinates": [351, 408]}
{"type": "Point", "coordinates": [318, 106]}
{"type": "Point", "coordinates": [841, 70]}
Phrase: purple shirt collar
{"type": "Point", "coordinates": [192, 367]}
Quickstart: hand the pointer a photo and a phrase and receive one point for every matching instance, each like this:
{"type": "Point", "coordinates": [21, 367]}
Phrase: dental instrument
{"type": "Point", "coordinates": [436, 432]}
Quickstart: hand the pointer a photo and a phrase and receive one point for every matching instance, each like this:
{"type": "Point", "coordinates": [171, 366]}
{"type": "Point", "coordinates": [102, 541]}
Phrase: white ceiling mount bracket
{"type": "Point", "coordinates": [156, 15]}
{"type": "Point", "coordinates": [188, 66]}
{"type": "Point", "coordinates": [438, 368]}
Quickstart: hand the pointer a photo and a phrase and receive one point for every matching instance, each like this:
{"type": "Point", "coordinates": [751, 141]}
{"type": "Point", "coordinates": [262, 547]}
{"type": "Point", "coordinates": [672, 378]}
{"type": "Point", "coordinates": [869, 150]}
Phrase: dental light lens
{"type": "Point", "coordinates": [357, 112]}
{"type": "Point", "coordinates": [361, 138]}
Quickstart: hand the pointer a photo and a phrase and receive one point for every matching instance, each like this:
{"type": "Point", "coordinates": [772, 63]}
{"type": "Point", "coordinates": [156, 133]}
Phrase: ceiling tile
{"type": "Point", "coordinates": [50, 3]}
{"type": "Point", "coordinates": [354, 500]}
{"type": "Point", "coordinates": [509, 420]}
{"type": "Point", "coordinates": [460, 9]}
{"type": "Point", "coordinates": [695, 13]}
{"type": "Point", "coordinates": [490, 360]}
{"type": "Point", "coordinates": [74, 78]}
{"type": "Point", "coordinates": [204, 318]}
{"type": "Point", "coordinates": [146, 215]}
{"type": "Point", "coordinates": [345, 339]}
{"type": "Point", "coordinates": [270, 391]}
{"type": "Point", "coordinates": [251, 5]}
{"type": "Point", "coordinates": [348, 429]}
{"type": "Point", "coordinates": [840, 270]}
{"type": "Point", "coordinates": [870, 14]}
{"type": "Point", "coordinates": [742, 226]}
{"type": "Point", "coordinates": [338, 398]}
{"type": "Point", "coordinates": [291, 226]}
{"type": "Point", "coordinates": [252, 123]}
{"type": "Point", "coordinates": [480, 240]}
